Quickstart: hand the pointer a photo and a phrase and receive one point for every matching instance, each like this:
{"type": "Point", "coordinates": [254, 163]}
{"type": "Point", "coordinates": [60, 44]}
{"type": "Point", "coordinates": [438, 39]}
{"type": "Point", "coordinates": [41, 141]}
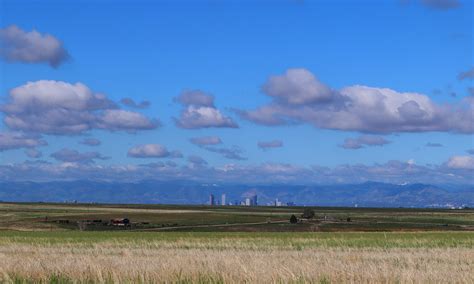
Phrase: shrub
{"type": "Point", "coordinates": [308, 213]}
{"type": "Point", "coordinates": [293, 219]}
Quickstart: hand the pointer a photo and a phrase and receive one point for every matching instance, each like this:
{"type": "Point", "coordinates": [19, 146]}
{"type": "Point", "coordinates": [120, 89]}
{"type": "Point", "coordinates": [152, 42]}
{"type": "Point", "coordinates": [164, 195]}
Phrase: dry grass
{"type": "Point", "coordinates": [187, 261]}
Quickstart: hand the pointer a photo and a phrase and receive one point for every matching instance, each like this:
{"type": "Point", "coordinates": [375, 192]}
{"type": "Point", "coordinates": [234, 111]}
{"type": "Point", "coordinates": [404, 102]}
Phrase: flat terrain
{"type": "Point", "coordinates": [94, 217]}
{"type": "Point", "coordinates": [233, 244]}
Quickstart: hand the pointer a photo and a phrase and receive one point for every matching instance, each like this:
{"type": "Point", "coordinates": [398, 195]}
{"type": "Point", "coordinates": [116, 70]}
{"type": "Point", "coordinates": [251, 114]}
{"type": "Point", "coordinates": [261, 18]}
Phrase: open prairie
{"type": "Point", "coordinates": [97, 217]}
{"type": "Point", "coordinates": [257, 245]}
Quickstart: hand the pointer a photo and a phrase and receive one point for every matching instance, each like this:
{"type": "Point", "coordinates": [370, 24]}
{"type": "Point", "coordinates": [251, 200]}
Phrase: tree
{"type": "Point", "coordinates": [308, 213]}
{"type": "Point", "coordinates": [293, 219]}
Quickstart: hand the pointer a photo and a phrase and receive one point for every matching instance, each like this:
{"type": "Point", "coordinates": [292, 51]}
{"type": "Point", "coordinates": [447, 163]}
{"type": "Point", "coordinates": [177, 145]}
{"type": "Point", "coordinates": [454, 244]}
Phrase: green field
{"type": "Point", "coordinates": [236, 240]}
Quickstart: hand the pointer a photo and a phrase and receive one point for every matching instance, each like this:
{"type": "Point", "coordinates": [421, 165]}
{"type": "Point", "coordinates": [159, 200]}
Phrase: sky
{"type": "Point", "coordinates": [237, 91]}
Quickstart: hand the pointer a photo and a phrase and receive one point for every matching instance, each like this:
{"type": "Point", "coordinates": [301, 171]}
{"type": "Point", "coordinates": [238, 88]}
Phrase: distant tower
{"type": "Point", "coordinates": [212, 200]}
{"type": "Point", "coordinates": [254, 200]}
{"type": "Point", "coordinates": [247, 201]}
{"type": "Point", "coordinates": [223, 199]}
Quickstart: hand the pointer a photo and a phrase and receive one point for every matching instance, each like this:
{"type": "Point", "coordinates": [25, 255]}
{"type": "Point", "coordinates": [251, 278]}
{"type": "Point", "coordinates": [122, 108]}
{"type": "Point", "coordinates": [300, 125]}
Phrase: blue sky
{"type": "Point", "coordinates": [156, 50]}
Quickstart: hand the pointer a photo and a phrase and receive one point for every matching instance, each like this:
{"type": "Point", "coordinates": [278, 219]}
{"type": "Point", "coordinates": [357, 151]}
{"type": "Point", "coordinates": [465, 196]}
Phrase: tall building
{"type": "Point", "coordinates": [223, 199]}
{"type": "Point", "coordinates": [277, 202]}
{"type": "Point", "coordinates": [212, 200]}
{"type": "Point", "coordinates": [247, 201]}
{"type": "Point", "coordinates": [254, 200]}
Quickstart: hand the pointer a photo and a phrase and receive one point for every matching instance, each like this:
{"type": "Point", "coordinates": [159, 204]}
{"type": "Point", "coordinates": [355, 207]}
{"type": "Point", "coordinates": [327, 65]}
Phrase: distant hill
{"type": "Point", "coordinates": [370, 194]}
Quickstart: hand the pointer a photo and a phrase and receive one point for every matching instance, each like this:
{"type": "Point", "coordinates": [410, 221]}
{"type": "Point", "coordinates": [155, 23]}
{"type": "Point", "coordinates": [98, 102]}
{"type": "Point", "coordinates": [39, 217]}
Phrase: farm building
{"type": "Point", "coordinates": [120, 222]}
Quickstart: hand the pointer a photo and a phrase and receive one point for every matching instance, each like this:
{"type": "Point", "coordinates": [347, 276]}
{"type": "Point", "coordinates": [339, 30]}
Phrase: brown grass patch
{"type": "Point", "coordinates": [148, 262]}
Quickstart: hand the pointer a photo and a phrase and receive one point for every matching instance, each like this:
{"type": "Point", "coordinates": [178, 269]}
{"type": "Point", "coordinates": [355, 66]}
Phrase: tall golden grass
{"type": "Point", "coordinates": [185, 261]}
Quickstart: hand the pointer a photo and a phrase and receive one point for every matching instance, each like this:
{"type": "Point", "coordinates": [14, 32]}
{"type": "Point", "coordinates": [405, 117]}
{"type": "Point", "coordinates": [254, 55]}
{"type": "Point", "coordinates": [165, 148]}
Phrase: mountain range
{"type": "Point", "coordinates": [369, 194]}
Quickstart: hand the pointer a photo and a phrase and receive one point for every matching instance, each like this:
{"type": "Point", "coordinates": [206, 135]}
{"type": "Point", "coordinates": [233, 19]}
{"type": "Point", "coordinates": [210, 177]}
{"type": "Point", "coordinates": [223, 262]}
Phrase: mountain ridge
{"type": "Point", "coordinates": [368, 194]}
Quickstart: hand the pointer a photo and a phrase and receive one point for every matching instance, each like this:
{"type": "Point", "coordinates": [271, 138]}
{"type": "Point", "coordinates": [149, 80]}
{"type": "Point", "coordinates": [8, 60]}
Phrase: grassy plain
{"type": "Point", "coordinates": [52, 217]}
{"type": "Point", "coordinates": [253, 245]}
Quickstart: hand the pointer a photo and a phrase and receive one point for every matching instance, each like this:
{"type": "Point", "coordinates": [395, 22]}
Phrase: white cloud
{"type": "Point", "coordinates": [152, 151]}
{"type": "Point", "coordinates": [196, 98]}
{"type": "Point", "coordinates": [303, 86]}
{"type": "Point", "coordinates": [17, 45]}
{"type": "Point", "coordinates": [16, 140]}
{"type": "Point", "coordinates": [55, 107]}
{"type": "Point", "coordinates": [118, 119]}
{"type": "Point", "coordinates": [194, 117]}
{"type": "Point", "coordinates": [364, 109]}
{"type": "Point", "coordinates": [199, 112]}
{"type": "Point", "coordinates": [461, 162]}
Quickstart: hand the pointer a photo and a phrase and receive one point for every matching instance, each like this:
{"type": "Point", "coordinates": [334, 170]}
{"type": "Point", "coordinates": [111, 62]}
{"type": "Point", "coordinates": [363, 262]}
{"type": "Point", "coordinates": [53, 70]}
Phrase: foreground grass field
{"type": "Point", "coordinates": [181, 244]}
{"type": "Point", "coordinates": [441, 257]}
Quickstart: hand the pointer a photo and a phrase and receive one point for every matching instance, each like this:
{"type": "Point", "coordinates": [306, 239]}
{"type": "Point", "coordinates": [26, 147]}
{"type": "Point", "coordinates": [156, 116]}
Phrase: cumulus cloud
{"type": "Point", "coordinates": [431, 144]}
{"type": "Point", "coordinates": [152, 151]}
{"type": "Point", "coordinates": [195, 97]}
{"type": "Point", "coordinates": [461, 162]}
{"type": "Point", "coordinates": [17, 45]}
{"type": "Point", "coordinates": [441, 4]}
{"type": "Point", "coordinates": [73, 156]}
{"type": "Point", "coordinates": [469, 74]}
{"type": "Point", "coordinates": [357, 108]}
{"type": "Point", "coordinates": [55, 107]}
{"type": "Point", "coordinates": [303, 86]}
{"type": "Point", "coordinates": [265, 145]}
{"type": "Point", "coordinates": [206, 140]}
{"type": "Point", "coordinates": [91, 142]}
{"type": "Point", "coordinates": [199, 112]}
{"type": "Point", "coordinates": [16, 140]}
{"type": "Point", "coordinates": [364, 140]}
{"type": "Point", "coordinates": [33, 153]}
{"type": "Point", "coordinates": [119, 119]}
{"type": "Point", "coordinates": [470, 151]}
{"type": "Point", "coordinates": [131, 103]}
